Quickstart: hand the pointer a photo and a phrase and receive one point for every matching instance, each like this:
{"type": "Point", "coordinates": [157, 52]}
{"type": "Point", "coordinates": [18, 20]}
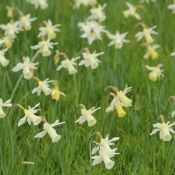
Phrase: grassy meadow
{"type": "Point", "coordinates": [139, 153]}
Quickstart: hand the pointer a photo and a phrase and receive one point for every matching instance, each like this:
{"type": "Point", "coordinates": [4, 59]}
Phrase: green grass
{"type": "Point", "coordinates": [140, 154]}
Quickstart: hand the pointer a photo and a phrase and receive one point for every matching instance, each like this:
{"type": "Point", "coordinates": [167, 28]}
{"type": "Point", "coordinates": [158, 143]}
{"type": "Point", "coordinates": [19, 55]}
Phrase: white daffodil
{"type": "Point", "coordinates": [11, 29]}
{"type": "Point", "coordinates": [117, 39]}
{"type": "Point", "coordinates": [4, 104]}
{"type": "Point", "coordinates": [49, 30]}
{"type": "Point", "coordinates": [155, 72]}
{"type": "Point", "coordinates": [7, 42]}
{"type": "Point", "coordinates": [164, 130]}
{"type": "Point", "coordinates": [148, 1]}
{"type": "Point", "coordinates": [44, 47]}
{"type": "Point", "coordinates": [27, 67]}
{"type": "Point", "coordinates": [97, 13]}
{"type": "Point", "coordinates": [172, 7]}
{"type": "Point", "coordinates": [86, 115]}
{"type": "Point", "coordinates": [3, 61]}
{"type": "Point", "coordinates": [173, 114]}
{"type": "Point", "coordinates": [43, 86]}
{"type": "Point", "coordinates": [49, 129]}
{"type": "Point", "coordinates": [91, 30]}
{"type": "Point", "coordinates": [25, 22]}
{"type": "Point", "coordinates": [151, 51]}
{"type": "Point", "coordinates": [132, 11]}
{"type": "Point", "coordinates": [172, 54]}
{"type": "Point", "coordinates": [43, 4]}
{"type": "Point", "coordinates": [85, 3]}
{"type": "Point", "coordinates": [69, 65]}
{"type": "Point", "coordinates": [147, 34]}
{"type": "Point", "coordinates": [56, 93]}
{"type": "Point", "coordinates": [90, 59]}
{"type": "Point", "coordinates": [119, 101]}
{"type": "Point", "coordinates": [30, 116]}
{"type": "Point", "coordinates": [105, 152]}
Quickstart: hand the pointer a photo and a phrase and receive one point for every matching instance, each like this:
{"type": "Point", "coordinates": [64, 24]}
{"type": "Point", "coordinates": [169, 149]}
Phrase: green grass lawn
{"type": "Point", "coordinates": [140, 154]}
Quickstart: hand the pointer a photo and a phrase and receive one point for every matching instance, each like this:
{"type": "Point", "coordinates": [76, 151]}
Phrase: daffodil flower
{"type": "Point", "coordinates": [132, 11]}
{"type": "Point", "coordinates": [69, 65]}
{"type": "Point", "coordinates": [90, 59]}
{"type": "Point", "coordinates": [105, 152]}
{"type": "Point", "coordinates": [146, 33]}
{"type": "Point", "coordinates": [27, 67]}
{"type": "Point", "coordinates": [7, 104]}
{"type": "Point", "coordinates": [164, 129]}
{"type": "Point", "coordinates": [86, 115]}
{"type": "Point", "coordinates": [151, 51]}
{"type": "Point", "coordinates": [49, 129]}
{"type": "Point", "coordinates": [44, 47]}
{"type": "Point", "coordinates": [56, 92]}
{"type": "Point", "coordinates": [10, 12]}
{"type": "Point", "coordinates": [43, 4]}
{"type": "Point", "coordinates": [25, 22]}
{"type": "Point", "coordinates": [172, 7]}
{"type": "Point", "coordinates": [172, 54]}
{"type": "Point", "coordinates": [7, 42]}
{"type": "Point", "coordinates": [49, 30]}
{"type": "Point", "coordinates": [85, 3]}
{"type": "Point", "coordinates": [43, 86]}
{"type": "Point", "coordinates": [11, 29]}
{"type": "Point", "coordinates": [155, 72]}
{"type": "Point", "coordinates": [30, 116]}
{"type": "Point", "coordinates": [119, 101]}
{"type": "Point", "coordinates": [91, 30]}
{"type": "Point", "coordinates": [3, 61]}
{"type": "Point", "coordinates": [117, 39]}
{"type": "Point", "coordinates": [97, 13]}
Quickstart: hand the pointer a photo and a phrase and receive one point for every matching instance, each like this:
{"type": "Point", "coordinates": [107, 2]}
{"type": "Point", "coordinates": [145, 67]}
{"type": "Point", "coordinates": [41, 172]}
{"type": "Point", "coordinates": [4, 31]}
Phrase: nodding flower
{"type": "Point", "coordinates": [56, 92]}
{"type": "Point", "coordinates": [155, 72]}
{"type": "Point", "coordinates": [43, 4]}
{"type": "Point", "coordinates": [151, 51]}
{"type": "Point", "coordinates": [164, 129]}
{"type": "Point", "coordinates": [26, 22]}
{"type": "Point", "coordinates": [7, 104]}
{"type": "Point", "coordinates": [27, 68]}
{"type": "Point", "coordinates": [49, 129]}
{"type": "Point", "coordinates": [119, 101]}
{"type": "Point", "coordinates": [86, 115]}
{"type": "Point", "coordinates": [132, 11]}
{"type": "Point", "coordinates": [105, 152]}
{"type": "Point", "coordinates": [3, 60]}
{"type": "Point", "coordinates": [85, 3]}
{"type": "Point", "coordinates": [30, 115]}
{"type": "Point", "coordinates": [43, 86]}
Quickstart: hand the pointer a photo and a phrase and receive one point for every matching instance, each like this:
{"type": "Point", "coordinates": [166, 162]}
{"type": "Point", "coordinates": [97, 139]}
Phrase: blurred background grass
{"type": "Point", "coordinates": [139, 154]}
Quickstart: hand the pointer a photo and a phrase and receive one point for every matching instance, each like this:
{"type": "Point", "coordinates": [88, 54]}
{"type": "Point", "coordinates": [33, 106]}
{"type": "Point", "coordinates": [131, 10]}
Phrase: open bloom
{"type": "Point", "coordinates": [172, 7]}
{"type": "Point", "coordinates": [119, 101]}
{"type": "Point", "coordinates": [155, 72]}
{"type": "Point", "coordinates": [147, 34]}
{"type": "Point", "coordinates": [27, 67]}
{"type": "Point", "coordinates": [4, 104]}
{"type": "Point", "coordinates": [3, 61]}
{"type": "Point", "coordinates": [90, 59]}
{"type": "Point", "coordinates": [30, 116]}
{"type": "Point", "coordinates": [43, 4]}
{"type": "Point", "coordinates": [56, 92]}
{"type": "Point", "coordinates": [7, 42]}
{"type": "Point", "coordinates": [49, 30]}
{"type": "Point", "coordinates": [11, 29]}
{"type": "Point", "coordinates": [105, 152]}
{"type": "Point", "coordinates": [148, 1]}
{"type": "Point", "coordinates": [151, 51]}
{"type": "Point", "coordinates": [164, 130]}
{"type": "Point", "coordinates": [91, 30]}
{"type": "Point", "coordinates": [117, 39]}
{"type": "Point", "coordinates": [85, 3]}
{"type": "Point", "coordinates": [132, 11]}
{"type": "Point", "coordinates": [86, 115]}
{"type": "Point", "coordinates": [69, 65]}
{"type": "Point", "coordinates": [172, 54]}
{"type": "Point", "coordinates": [44, 47]}
{"type": "Point", "coordinates": [43, 86]}
{"type": "Point", "coordinates": [25, 22]}
{"type": "Point", "coordinates": [49, 129]}
{"type": "Point", "coordinates": [97, 13]}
